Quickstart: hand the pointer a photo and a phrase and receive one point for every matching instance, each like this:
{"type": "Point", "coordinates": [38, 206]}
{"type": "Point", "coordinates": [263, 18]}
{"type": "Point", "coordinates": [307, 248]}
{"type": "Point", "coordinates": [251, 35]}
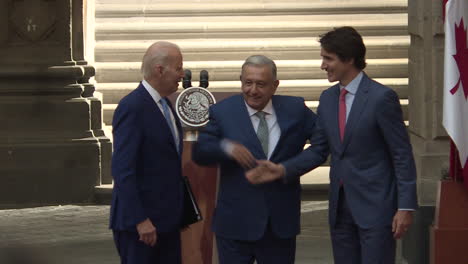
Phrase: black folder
{"type": "Point", "coordinates": [191, 213]}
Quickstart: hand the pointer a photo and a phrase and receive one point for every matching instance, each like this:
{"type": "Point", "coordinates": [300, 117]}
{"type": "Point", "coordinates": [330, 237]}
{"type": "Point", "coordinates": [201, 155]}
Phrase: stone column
{"type": "Point", "coordinates": [429, 139]}
{"type": "Point", "coordinates": [48, 150]}
{"type": "Point", "coordinates": [80, 18]}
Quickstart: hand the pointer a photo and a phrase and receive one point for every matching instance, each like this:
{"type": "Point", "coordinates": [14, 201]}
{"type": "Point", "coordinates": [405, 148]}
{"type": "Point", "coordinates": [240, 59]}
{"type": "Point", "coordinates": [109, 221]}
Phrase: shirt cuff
{"type": "Point", "coordinates": [227, 146]}
{"type": "Point", "coordinates": [406, 209]}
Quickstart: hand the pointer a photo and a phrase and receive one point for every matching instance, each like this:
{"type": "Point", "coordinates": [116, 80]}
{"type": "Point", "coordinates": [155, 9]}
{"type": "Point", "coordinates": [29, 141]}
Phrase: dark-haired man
{"type": "Point", "coordinates": [372, 171]}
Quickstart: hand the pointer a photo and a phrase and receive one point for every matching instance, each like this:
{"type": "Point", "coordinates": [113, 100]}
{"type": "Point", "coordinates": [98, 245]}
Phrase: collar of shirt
{"type": "Point", "coordinates": [267, 109]}
{"type": "Point", "coordinates": [353, 86]}
{"type": "Point", "coordinates": [154, 94]}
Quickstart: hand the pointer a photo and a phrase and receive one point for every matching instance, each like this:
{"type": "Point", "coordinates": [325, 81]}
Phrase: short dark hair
{"type": "Point", "coordinates": [347, 44]}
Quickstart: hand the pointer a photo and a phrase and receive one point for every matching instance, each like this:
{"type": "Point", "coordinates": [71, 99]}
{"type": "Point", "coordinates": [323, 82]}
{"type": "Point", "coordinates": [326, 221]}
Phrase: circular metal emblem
{"type": "Point", "coordinates": [192, 106]}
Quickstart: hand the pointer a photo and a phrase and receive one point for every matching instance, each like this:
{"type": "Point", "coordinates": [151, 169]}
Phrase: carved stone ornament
{"type": "Point", "coordinates": [192, 106]}
{"type": "Point", "coordinates": [33, 20]}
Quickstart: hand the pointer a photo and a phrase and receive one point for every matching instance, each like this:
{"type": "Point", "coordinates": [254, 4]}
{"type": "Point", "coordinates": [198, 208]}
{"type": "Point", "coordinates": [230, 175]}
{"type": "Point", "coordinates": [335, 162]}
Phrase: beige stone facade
{"type": "Point", "coordinates": [52, 146]}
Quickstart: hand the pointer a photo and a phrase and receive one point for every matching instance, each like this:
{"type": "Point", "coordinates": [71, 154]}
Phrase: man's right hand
{"type": "Point", "coordinates": [243, 156]}
{"type": "Point", "coordinates": [147, 232]}
{"type": "Point", "coordinates": [266, 171]}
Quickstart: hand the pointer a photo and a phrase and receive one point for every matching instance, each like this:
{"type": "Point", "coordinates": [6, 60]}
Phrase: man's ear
{"type": "Point", "coordinates": [276, 83]}
{"type": "Point", "coordinates": [158, 69]}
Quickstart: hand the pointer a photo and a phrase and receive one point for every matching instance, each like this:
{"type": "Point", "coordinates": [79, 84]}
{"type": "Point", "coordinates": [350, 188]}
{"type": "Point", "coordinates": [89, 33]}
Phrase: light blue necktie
{"type": "Point", "coordinates": [167, 115]}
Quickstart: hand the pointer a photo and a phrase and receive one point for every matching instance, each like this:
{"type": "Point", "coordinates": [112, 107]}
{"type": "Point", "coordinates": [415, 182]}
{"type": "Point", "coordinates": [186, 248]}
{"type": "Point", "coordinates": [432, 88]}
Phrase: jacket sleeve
{"type": "Point", "coordinates": [314, 155]}
{"type": "Point", "coordinates": [207, 150]}
{"type": "Point", "coordinates": [392, 127]}
{"type": "Point", "coordinates": [127, 139]}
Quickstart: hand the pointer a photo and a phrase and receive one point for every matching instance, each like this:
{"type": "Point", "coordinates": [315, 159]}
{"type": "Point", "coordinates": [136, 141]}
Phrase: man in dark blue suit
{"type": "Point", "coordinates": [255, 222]}
{"type": "Point", "coordinates": [372, 172]}
{"type": "Point", "coordinates": [146, 164]}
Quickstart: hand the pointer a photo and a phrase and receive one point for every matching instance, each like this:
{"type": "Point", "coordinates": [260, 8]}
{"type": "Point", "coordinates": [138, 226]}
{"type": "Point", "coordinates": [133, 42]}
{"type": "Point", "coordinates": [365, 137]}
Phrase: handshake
{"type": "Point", "coordinates": [266, 171]}
{"type": "Point", "coordinates": [257, 171]}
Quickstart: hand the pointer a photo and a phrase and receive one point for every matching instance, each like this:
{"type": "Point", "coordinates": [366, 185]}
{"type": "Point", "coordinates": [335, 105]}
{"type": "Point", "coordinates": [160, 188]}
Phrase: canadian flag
{"type": "Point", "coordinates": [456, 84]}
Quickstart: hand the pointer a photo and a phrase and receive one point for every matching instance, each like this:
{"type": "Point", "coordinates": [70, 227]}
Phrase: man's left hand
{"type": "Point", "coordinates": [401, 222]}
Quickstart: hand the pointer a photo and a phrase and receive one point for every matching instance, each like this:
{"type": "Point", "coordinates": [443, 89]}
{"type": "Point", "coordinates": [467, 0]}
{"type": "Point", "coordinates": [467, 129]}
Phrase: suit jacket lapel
{"type": "Point", "coordinates": [151, 103]}
{"type": "Point", "coordinates": [159, 115]}
{"type": "Point", "coordinates": [333, 110]}
{"type": "Point", "coordinates": [359, 103]}
{"type": "Point", "coordinates": [179, 127]}
{"type": "Point", "coordinates": [146, 96]}
{"type": "Point", "coordinates": [242, 118]}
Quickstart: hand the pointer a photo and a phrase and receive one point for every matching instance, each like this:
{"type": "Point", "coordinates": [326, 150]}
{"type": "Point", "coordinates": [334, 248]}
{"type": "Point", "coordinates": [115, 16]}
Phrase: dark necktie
{"type": "Point", "coordinates": [342, 113]}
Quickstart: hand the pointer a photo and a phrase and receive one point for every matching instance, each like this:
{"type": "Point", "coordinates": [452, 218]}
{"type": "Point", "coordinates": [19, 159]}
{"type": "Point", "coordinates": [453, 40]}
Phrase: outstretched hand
{"type": "Point", "coordinates": [266, 171]}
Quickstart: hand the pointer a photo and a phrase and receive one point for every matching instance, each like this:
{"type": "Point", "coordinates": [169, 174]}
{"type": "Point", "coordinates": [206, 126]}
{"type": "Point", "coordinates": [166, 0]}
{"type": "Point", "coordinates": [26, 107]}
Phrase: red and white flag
{"type": "Point", "coordinates": [456, 81]}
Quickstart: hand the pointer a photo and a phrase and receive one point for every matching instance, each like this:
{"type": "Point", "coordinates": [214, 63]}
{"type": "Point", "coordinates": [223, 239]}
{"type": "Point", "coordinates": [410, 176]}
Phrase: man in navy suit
{"type": "Point", "coordinates": [146, 164]}
{"type": "Point", "coordinates": [372, 172]}
{"type": "Point", "coordinates": [255, 222]}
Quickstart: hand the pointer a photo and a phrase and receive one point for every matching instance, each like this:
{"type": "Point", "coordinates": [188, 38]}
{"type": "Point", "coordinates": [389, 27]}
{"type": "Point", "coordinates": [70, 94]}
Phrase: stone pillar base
{"type": "Point", "coordinates": [48, 172]}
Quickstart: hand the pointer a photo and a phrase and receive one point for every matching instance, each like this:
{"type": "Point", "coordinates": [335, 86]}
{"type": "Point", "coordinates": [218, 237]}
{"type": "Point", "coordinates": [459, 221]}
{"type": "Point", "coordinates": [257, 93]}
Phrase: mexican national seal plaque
{"type": "Point", "coordinates": [192, 106]}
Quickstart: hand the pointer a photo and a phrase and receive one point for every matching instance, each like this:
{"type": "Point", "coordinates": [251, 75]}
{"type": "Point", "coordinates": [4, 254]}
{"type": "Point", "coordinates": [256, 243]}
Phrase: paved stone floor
{"type": "Point", "coordinates": [79, 235]}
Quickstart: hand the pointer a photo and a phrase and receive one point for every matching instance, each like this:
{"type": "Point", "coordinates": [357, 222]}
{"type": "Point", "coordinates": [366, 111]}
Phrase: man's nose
{"type": "Point", "coordinates": [253, 89]}
{"type": "Point", "coordinates": [323, 66]}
